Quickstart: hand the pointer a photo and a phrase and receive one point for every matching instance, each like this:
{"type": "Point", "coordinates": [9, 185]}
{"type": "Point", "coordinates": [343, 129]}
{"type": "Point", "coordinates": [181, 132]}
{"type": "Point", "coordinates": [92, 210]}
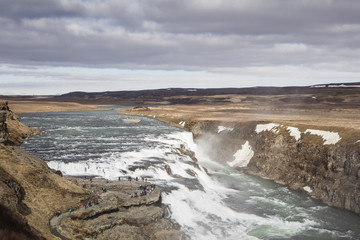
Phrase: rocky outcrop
{"type": "Point", "coordinates": [3, 127]}
{"type": "Point", "coordinates": [114, 214]}
{"type": "Point", "coordinates": [324, 162]}
{"type": "Point", "coordinates": [12, 131]}
{"type": "Point", "coordinates": [32, 192]}
{"type": "Point", "coordinates": [12, 194]}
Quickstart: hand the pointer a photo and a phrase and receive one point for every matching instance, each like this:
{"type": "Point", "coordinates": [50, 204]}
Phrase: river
{"type": "Point", "coordinates": [224, 204]}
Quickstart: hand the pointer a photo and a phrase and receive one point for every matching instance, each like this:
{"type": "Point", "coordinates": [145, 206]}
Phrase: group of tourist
{"type": "Point", "coordinates": [147, 189]}
{"type": "Point", "coordinates": [90, 204]}
{"type": "Point", "coordinates": [144, 190]}
{"type": "Point", "coordinates": [57, 213]}
{"type": "Point", "coordinates": [129, 178]}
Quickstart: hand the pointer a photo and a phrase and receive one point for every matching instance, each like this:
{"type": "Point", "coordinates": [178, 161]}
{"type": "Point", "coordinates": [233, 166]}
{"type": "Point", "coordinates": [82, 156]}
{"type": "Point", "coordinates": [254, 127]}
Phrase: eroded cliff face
{"type": "Point", "coordinates": [3, 127]}
{"type": "Point", "coordinates": [12, 131]}
{"type": "Point", "coordinates": [325, 162]}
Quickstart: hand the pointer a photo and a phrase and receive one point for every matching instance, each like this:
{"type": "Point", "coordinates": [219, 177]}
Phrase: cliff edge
{"type": "Point", "coordinates": [29, 190]}
{"type": "Point", "coordinates": [322, 161]}
{"type": "Point", "coordinates": [12, 131]}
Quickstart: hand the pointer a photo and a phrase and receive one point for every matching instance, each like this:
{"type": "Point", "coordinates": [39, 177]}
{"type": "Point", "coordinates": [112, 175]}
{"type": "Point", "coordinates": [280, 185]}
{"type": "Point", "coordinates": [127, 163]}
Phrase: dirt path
{"type": "Point", "coordinates": [54, 223]}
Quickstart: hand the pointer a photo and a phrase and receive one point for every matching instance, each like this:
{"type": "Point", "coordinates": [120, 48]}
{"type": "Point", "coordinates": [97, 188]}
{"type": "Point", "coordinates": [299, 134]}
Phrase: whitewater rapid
{"type": "Point", "coordinates": [224, 204]}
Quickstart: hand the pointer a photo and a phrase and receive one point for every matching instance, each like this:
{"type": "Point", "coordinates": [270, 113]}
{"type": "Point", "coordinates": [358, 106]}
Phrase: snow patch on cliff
{"type": "Point", "coordinates": [273, 127]}
{"type": "Point", "coordinates": [308, 189]}
{"type": "Point", "coordinates": [343, 85]}
{"type": "Point", "coordinates": [242, 156]}
{"type": "Point", "coordinates": [328, 137]}
{"type": "Point", "coordinates": [222, 128]}
{"type": "Point", "coordinates": [294, 132]}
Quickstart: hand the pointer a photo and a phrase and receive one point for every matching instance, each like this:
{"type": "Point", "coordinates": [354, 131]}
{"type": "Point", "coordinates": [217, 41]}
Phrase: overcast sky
{"type": "Point", "coordinates": [59, 46]}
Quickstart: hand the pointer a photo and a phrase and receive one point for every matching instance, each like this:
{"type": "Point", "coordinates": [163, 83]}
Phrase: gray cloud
{"type": "Point", "coordinates": [203, 35]}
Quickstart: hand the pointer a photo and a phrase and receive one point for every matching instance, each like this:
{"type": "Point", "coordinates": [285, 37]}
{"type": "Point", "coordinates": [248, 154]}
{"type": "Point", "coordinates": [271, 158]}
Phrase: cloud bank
{"type": "Point", "coordinates": [314, 41]}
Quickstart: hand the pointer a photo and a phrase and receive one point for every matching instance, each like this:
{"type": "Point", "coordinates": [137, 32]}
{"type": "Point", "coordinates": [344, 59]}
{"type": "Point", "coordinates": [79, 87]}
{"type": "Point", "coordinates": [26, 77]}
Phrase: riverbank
{"type": "Point", "coordinates": [321, 116]}
{"type": "Point", "coordinates": [48, 106]}
{"type": "Point", "coordinates": [31, 192]}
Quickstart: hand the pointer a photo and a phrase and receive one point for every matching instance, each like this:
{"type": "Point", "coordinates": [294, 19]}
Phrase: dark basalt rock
{"type": "Point", "coordinates": [3, 128]}
{"type": "Point", "coordinates": [13, 227]}
{"type": "Point", "coordinates": [58, 172]}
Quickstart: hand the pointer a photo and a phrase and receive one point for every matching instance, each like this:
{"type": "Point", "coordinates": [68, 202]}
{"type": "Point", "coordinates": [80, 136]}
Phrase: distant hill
{"type": "Point", "coordinates": [189, 95]}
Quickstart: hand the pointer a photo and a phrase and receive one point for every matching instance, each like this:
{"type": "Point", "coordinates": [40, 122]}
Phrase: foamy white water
{"type": "Point", "coordinates": [225, 205]}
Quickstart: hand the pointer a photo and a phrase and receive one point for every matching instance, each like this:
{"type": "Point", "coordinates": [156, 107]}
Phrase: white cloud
{"type": "Point", "coordinates": [290, 47]}
{"type": "Point", "coordinates": [79, 30]}
{"type": "Point", "coordinates": [344, 28]}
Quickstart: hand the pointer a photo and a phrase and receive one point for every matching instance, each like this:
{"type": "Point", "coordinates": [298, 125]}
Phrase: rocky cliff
{"type": "Point", "coordinates": [29, 190]}
{"type": "Point", "coordinates": [323, 161]}
{"type": "Point", "coordinates": [12, 131]}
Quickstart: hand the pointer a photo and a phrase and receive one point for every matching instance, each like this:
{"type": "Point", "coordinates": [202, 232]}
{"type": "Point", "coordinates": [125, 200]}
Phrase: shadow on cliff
{"type": "Point", "coordinates": [12, 228]}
